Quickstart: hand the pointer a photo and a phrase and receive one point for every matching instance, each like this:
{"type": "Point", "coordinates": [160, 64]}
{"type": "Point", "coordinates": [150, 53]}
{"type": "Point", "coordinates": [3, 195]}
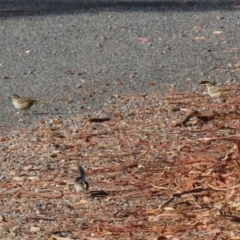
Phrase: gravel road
{"type": "Point", "coordinates": [74, 56]}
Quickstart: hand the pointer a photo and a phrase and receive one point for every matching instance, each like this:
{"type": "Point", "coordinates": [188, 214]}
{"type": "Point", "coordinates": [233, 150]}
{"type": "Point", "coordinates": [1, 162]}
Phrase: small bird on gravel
{"type": "Point", "coordinates": [214, 91]}
{"type": "Point", "coordinates": [80, 182]}
{"type": "Point", "coordinates": [22, 103]}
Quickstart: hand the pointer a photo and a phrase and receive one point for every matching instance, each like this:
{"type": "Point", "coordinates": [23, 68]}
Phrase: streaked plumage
{"type": "Point", "coordinates": [22, 103]}
{"type": "Point", "coordinates": [216, 92]}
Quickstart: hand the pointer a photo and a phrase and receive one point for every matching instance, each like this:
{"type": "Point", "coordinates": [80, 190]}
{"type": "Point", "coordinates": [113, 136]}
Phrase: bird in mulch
{"type": "Point", "coordinates": [80, 182]}
{"type": "Point", "coordinates": [22, 103]}
{"type": "Point", "coordinates": [214, 91]}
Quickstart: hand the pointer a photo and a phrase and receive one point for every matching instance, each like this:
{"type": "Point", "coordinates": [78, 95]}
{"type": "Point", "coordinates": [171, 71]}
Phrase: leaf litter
{"type": "Point", "coordinates": [158, 168]}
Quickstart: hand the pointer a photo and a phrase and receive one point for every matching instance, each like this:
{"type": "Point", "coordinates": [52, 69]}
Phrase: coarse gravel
{"type": "Point", "coordinates": [77, 56]}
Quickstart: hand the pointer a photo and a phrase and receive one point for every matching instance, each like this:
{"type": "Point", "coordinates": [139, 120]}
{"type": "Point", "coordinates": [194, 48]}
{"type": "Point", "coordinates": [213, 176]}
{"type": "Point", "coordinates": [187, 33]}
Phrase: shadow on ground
{"type": "Point", "coordinates": [37, 7]}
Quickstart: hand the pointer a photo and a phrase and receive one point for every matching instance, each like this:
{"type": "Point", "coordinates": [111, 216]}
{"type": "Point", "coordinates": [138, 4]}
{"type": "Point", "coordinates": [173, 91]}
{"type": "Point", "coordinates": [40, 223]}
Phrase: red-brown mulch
{"type": "Point", "coordinates": [168, 168]}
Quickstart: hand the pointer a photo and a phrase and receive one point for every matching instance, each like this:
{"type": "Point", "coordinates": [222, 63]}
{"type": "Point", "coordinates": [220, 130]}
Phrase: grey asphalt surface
{"type": "Point", "coordinates": [73, 56]}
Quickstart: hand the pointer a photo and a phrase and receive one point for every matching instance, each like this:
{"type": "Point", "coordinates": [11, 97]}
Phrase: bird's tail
{"type": "Point", "coordinates": [81, 172]}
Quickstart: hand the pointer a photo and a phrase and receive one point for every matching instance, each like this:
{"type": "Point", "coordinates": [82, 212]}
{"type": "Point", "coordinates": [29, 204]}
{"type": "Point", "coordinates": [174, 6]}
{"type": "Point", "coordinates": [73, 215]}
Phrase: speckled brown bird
{"type": "Point", "coordinates": [216, 92]}
{"type": "Point", "coordinates": [22, 103]}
